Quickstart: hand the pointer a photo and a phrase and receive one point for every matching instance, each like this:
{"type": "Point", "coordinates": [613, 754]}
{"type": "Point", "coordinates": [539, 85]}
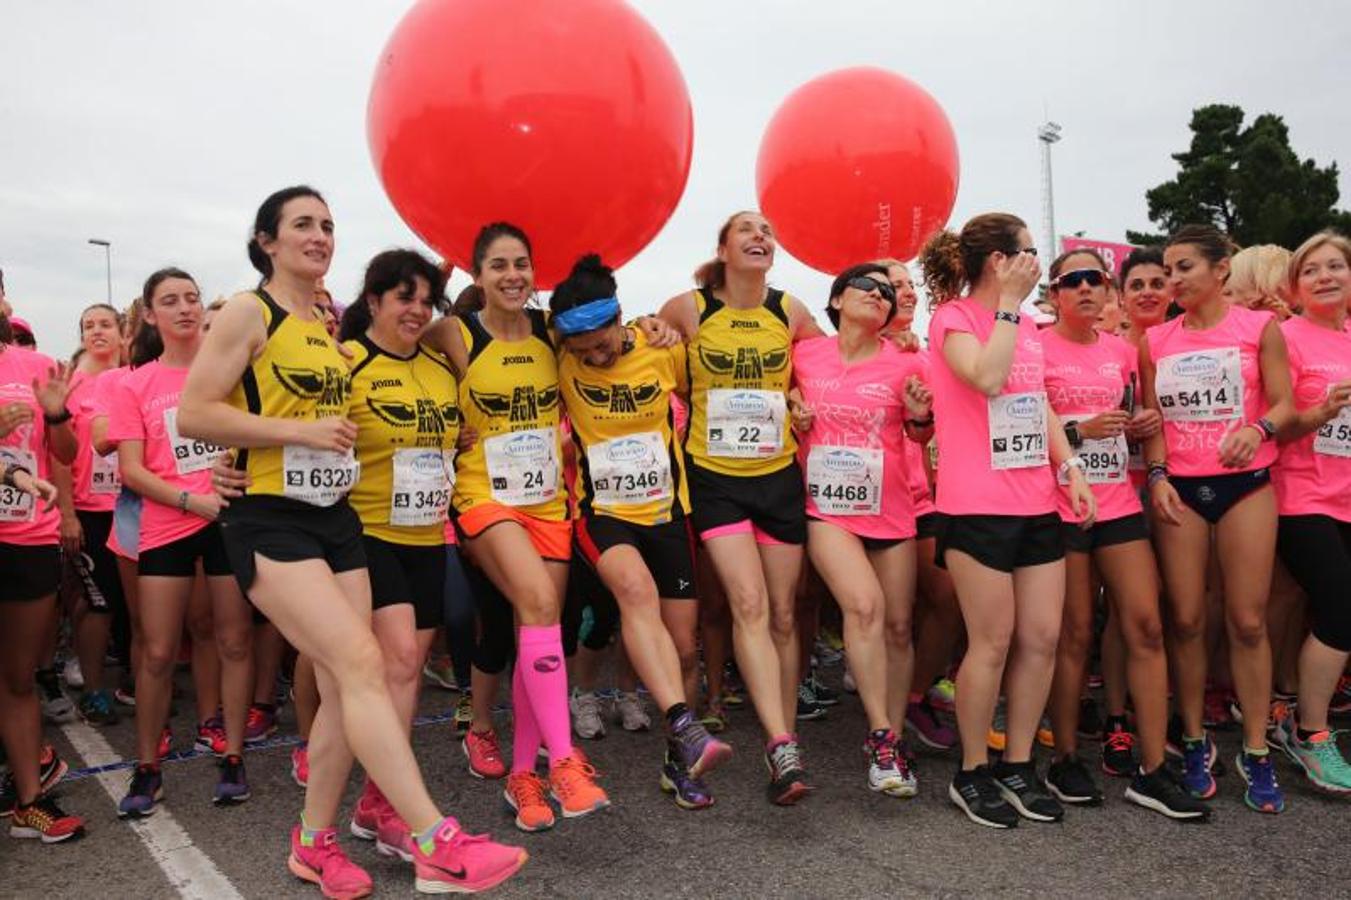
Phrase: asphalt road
{"type": "Point", "coordinates": [843, 841]}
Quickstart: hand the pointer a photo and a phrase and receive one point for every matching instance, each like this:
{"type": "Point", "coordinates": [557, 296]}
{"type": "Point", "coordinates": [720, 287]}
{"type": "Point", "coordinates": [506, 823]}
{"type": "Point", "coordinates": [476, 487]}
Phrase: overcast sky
{"type": "Point", "coordinates": [160, 125]}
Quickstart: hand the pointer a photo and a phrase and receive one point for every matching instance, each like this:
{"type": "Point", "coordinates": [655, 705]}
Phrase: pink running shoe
{"type": "Point", "coordinates": [300, 765]}
{"type": "Point", "coordinates": [322, 862]}
{"type": "Point", "coordinates": [369, 812]}
{"type": "Point", "coordinates": [484, 754]}
{"type": "Point", "coordinates": [463, 863]}
{"type": "Point", "coordinates": [393, 838]}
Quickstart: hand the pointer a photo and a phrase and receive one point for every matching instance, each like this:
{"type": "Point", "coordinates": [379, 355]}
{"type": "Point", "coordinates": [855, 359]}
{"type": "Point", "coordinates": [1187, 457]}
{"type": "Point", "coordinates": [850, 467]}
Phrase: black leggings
{"type": "Point", "coordinates": [1317, 551]}
{"type": "Point", "coordinates": [496, 645]}
{"type": "Point", "coordinates": [586, 589]}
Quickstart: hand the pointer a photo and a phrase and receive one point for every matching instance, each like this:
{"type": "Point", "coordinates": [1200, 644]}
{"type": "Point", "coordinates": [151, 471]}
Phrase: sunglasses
{"type": "Point", "coordinates": [866, 284]}
{"type": "Point", "coordinates": [1090, 277]}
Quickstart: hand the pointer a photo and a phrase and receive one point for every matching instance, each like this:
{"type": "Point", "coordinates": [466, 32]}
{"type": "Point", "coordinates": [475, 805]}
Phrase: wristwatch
{"type": "Point", "coordinates": [63, 416]}
{"type": "Point", "coordinates": [1074, 462]}
{"type": "Point", "coordinates": [1010, 317]}
{"type": "Point", "coordinates": [1072, 434]}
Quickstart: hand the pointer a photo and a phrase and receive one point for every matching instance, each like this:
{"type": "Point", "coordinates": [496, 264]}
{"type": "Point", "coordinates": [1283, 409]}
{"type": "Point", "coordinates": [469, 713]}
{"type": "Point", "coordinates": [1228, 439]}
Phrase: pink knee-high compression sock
{"type": "Point", "coordinates": [525, 730]}
{"type": "Point", "coordinates": [539, 664]}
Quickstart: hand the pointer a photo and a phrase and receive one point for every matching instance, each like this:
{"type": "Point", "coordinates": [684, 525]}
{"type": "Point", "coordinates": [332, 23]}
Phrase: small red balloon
{"type": "Point", "coordinates": [856, 165]}
{"type": "Point", "coordinates": [568, 118]}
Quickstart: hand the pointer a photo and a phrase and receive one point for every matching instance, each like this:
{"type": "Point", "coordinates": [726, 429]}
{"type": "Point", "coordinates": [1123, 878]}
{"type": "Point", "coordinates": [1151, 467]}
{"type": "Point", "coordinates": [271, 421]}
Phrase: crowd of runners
{"type": "Point", "coordinates": [1138, 482]}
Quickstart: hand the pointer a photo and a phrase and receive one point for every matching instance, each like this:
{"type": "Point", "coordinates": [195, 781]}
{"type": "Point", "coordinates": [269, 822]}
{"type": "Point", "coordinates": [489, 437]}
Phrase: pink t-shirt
{"type": "Point", "coordinates": [145, 408]}
{"type": "Point", "coordinates": [853, 458]}
{"type": "Point", "coordinates": [23, 520]}
{"type": "Point", "coordinates": [96, 479]}
{"type": "Point", "coordinates": [980, 471]}
{"type": "Point", "coordinates": [916, 475]}
{"type": "Point", "coordinates": [1083, 380]}
{"type": "Point", "coordinates": [1209, 383]}
{"type": "Point", "coordinates": [1313, 474]}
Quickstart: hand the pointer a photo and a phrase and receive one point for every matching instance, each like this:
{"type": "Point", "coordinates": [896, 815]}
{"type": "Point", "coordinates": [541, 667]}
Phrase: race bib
{"type": "Point", "coordinates": [630, 470]}
{"type": "Point", "coordinates": [522, 466]}
{"type": "Point", "coordinates": [745, 424]}
{"type": "Point", "coordinates": [189, 455]}
{"type": "Point", "coordinates": [845, 481]}
{"type": "Point", "coordinates": [16, 505]}
{"type": "Point", "coordinates": [1205, 386]}
{"type": "Point", "coordinates": [1334, 438]}
{"type": "Point", "coordinates": [104, 476]}
{"type": "Point", "coordinates": [1105, 461]}
{"type": "Point", "coordinates": [318, 477]}
{"type": "Point", "coordinates": [422, 481]}
{"type": "Point", "coordinates": [1018, 431]}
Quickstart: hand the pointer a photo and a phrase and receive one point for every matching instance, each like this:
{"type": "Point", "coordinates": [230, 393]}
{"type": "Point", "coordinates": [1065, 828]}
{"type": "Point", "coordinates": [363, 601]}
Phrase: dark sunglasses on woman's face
{"type": "Point", "coordinates": [1091, 277]}
{"type": "Point", "coordinates": [865, 284]}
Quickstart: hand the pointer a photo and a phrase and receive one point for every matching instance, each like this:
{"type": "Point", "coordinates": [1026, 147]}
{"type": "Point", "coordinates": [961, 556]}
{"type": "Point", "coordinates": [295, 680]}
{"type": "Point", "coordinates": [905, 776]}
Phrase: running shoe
{"type": "Point", "coordinates": [807, 707]}
{"type": "Point", "coordinates": [438, 672]}
{"type": "Point", "coordinates": [393, 837]}
{"type": "Point", "coordinates": [997, 737]}
{"type": "Point", "coordinates": [125, 693]}
{"type": "Point", "coordinates": [165, 745]}
{"type": "Point", "coordinates": [96, 708]}
{"type": "Point", "coordinates": [942, 695]}
{"type": "Point", "coordinates": [924, 723]}
{"type": "Point", "coordinates": [56, 706]}
{"type": "Point", "coordinates": [629, 709]}
{"type": "Point", "coordinates": [1090, 719]}
{"type": "Point", "coordinates": [1259, 773]}
{"type": "Point", "coordinates": [72, 674]}
{"type": "Point", "coordinates": [461, 863]}
{"type": "Point", "coordinates": [1024, 790]}
{"type": "Point", "coordinates": [715, 718]}
{"type": "Point", "coordinates": [884, 773]}
{"type": "Point", "coordinates": [45, 820]}
{"type": "Point", "coordinates": [211, 736]}
{"type": "Point", "coordinates": [1322, 762]}
{"type": "Point", "coordinates": [319, 860]}
{"type": "Point", "coordinates": [1163, 792]}
{"type": "Point", "coordinates": [1118, 750]}
{"type": "Point", "coordinates": [261, 723]}
{"type": "Point", "coordinates": [572, 783]}
{"type": "Point", "coordinates": [1341, 697]}
{"type": "Point", "coordinates": [976, 794]}
{"type": "Point", "coordinates": [484, 754]}
{"type": "Point", "coordinates": [233, 786]}
{"type": "Point", "coordinates": [1197, 757]}
{"type": "Point", "coordinates": [697, 751]}
{"type": "Point", "coordinates": [787, 777]}
{"type": "Point", "coordinates": [464, 712]}
{"type": "Point", "coordinates": [1219, 708]}
{"type": "Point", "coordinates": [300, 764]}
{"type": "Point", "coordinates": [1045, 736]}
{"type": "Point", "coordinates": [732, 697]}
{"type": "Point", "coordinates": [687, 791]}
{"type": "Point", "coordinates": [144, 791]}
{"type": "Point", "coordinates": [526, 794]}
{"type": "Point", "coordinates": [586, 718]}
{"type": "Point", "coordinates": [366, 815]}
{"type": "Point", "coordinates": [825, 695]}
{"type": "Point", "coordinates": [847, 682]}
{"type": "Point", "coordinates": [1069, 781]}
{"type": "Point", "coordinates": [51, 769]}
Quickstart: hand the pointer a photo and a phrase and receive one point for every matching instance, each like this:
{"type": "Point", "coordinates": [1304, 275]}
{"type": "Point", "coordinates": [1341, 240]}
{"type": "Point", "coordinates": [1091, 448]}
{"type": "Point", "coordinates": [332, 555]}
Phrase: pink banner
{"type": "Point", "coordinates": [1112, 253]}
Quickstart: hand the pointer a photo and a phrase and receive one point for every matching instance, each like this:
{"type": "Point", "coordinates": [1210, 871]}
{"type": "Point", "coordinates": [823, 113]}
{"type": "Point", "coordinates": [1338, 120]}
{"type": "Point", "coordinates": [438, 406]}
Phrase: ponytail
{"type": "Point", "coordinates": [941, 262]}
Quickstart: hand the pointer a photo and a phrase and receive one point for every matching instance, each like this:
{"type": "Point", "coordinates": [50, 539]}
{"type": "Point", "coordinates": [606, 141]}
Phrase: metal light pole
{"type": "Point", "coordinates": [108, 263]}
{"type": "Point", "coordinates": [1048, 134]}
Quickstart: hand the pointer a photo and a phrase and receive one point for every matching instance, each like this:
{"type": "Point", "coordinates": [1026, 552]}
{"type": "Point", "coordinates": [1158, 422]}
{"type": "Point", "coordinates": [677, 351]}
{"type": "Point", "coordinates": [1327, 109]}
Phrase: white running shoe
{"type": "Point", "coordinates": [632, 715]}
{"type": "Point", "coordinates": [586, 720]}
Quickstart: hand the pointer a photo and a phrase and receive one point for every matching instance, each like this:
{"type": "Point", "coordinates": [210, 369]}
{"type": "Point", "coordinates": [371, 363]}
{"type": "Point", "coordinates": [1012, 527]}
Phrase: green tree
{"type": "Point", "coordinates": [1247, 181]}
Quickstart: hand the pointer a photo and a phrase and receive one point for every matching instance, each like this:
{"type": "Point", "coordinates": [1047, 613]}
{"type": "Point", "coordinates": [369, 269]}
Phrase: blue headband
{"type": "Point", "coordinates": [588, 317]}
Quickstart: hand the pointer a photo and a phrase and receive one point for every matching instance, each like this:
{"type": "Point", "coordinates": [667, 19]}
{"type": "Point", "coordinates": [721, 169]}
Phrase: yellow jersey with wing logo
{"type": "Point", "coordinates": [509, 395]}
{"type": "Point", "coordinates": [740, 368]}
{"type": "Point", "coordinates": [408, 417]}
{"type": "Point", "coordinates": [298, 375]}
{"type": "Point", "coordinates": [629, 463]}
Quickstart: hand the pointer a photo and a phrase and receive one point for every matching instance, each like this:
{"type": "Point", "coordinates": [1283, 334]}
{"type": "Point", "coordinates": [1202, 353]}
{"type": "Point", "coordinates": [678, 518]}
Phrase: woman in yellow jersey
{"type": "Point", "coordinates": [405, 406]}
{"type": "Point", "coordinates": [633, 503]}
{"type": "Point", "coordinates": [510, 504]}
{"type": "Point", "coordinates": [745, 483]}
{"type": "Point", "coordinates": [270, 380]}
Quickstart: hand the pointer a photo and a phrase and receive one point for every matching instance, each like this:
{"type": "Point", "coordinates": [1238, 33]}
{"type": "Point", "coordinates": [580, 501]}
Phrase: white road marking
{"type": "Point", "coordinates": [189, 871]}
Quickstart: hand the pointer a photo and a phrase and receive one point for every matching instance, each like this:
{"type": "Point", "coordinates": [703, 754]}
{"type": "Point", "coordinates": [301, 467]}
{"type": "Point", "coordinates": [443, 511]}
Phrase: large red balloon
{"type": "Point", "coordinates": [568, 118]}
{"type": "Point", "coordinates": [855, 165]}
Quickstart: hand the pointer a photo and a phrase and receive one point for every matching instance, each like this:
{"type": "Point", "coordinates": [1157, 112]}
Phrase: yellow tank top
{"type": "Point", "coordinates": [509, 395]}
{"type": "Point", "coordinates": [629, 463]}
{"type": "Point", "coordinates": [408, 417]}
{"type": "Point", "coordinates": [299, 375]}
{"type": "Point", "coordinates": [740, 368]}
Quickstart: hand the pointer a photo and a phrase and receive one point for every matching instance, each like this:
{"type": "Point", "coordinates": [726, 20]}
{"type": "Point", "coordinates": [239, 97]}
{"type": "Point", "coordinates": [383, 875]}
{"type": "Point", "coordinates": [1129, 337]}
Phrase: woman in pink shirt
{"type": "Point", "coordinates": [937, 621]}
{"type": "Point", "coordinates": [1091, 381]}
{"type": "Point", "coordinates": [857, 400]}
{"type": "Point", "coordinates": [172, 475]}
{"type": "Point", "coordinates": [35, 430]}
{"type": "Point", "coordinates": [1220, 377]}
{"type": "Point", "coordinates": [1313, 494]}
{"type": "Point", "coordinates": [1000, 537]}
